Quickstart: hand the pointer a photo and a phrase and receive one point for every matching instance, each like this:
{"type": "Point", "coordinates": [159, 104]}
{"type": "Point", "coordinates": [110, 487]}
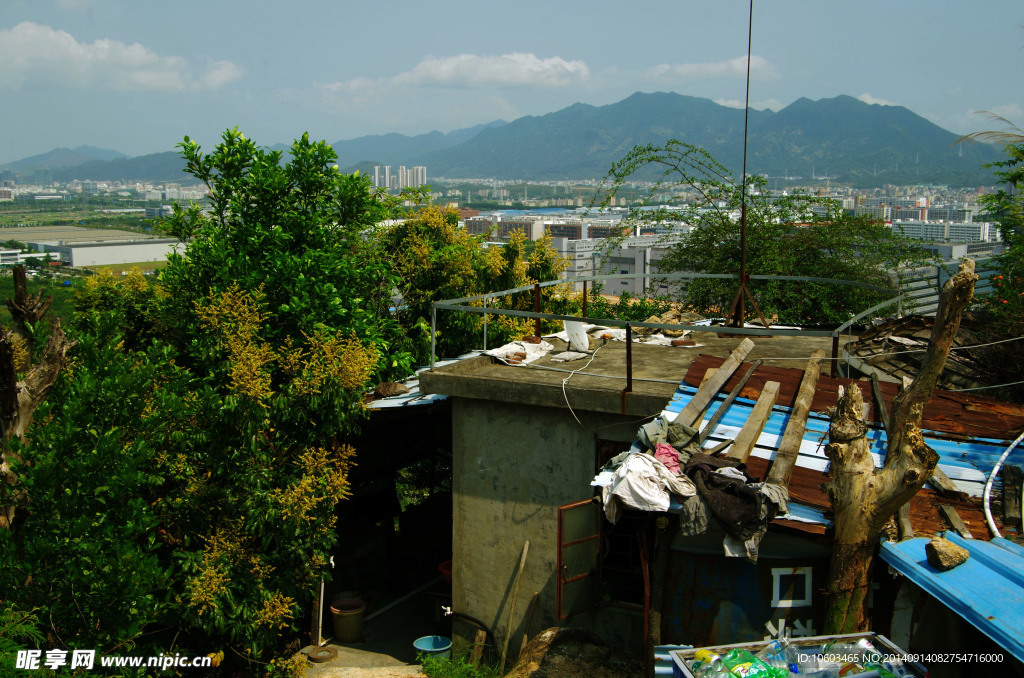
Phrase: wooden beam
{"type": "Point", "coordinates": [720, 412]}
{"type": "Point", "coordinates": [881, 411]}
{"type": "Point", "coordinates": [700, 400]}
{"type": "Point", "coordinates": [751, 431]}
{"type": "Point", "coordinates": [1012, 483]}
{"type": "Point", "coordinates": [718, 448]}
{"type": "Point", "coordinates": [782, 468]}
{"type": "Point", "coordinates": [944, 486]}
{"type": "Point", "coordinates": [955, 521]}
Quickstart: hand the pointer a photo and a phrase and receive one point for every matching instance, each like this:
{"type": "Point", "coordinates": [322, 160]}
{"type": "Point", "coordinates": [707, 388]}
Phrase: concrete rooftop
{"type": "Point", "coordinates": [657, 371]}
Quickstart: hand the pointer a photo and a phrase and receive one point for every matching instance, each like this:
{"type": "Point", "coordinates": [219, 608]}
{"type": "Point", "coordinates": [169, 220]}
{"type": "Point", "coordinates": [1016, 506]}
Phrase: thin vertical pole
{"type": "Point", "coordinates": [629, 358]}
{"type": "Point", "coordinates": [433, 335]}
{"type": "Point", "coordinates": [835, 356]}
{"type": "Point", "coordinates": [584, 298]}
{"type": "Point", "coordinates": [485, 323]}
{"type": "Point", "coordinates": [536, 309]}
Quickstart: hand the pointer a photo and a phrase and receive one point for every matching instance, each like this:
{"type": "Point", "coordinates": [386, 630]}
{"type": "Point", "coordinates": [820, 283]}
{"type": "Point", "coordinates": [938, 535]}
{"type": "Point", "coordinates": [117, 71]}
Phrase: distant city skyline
{"type": "Point", "coordinates": [137, 77]}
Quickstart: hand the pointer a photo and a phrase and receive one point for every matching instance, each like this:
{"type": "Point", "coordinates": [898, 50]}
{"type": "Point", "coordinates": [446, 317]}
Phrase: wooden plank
{"type": "Point", "coordinates": [1012, 483]}
{"type": "Point", "coordinates": [512, 606]}
{"type": "Point", "coordinates": [691, 413]}
{"type": "Point", "coordinates": [720, 412]}
{"type": "Point", "coordinates": [789, 448]}
{"type": "Point", "coordinates": [955, 521]}
{"type": "Point", "coordinates": [719, 447]}
{"type": "Point", "coordinates": [944, 486]}
{"type": "Point", "coordinates": [707, 375]}
{"type": "Point", "coordinates": [881, 410]}
{"type": "Point", "coordinates": [748, 435]}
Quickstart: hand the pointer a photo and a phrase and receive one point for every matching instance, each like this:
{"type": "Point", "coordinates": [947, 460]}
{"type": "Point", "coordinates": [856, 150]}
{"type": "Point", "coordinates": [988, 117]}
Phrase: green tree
{"type": "Point", "coordinates": [183, 476]}
{"type": "Point", "coordinates": [1005, 303]}
{"type": "Point", "coordinates": [786, 235]}
{"type": "Point", "coordinates": [1002, 306]}
{"type": "Point", "coordinates": [435, 260]}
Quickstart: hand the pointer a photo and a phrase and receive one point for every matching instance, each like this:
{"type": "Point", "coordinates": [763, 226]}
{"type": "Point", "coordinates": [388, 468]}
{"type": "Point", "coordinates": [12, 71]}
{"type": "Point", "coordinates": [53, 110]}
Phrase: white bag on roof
{"type": "Point", "coordinates": [642, 482]}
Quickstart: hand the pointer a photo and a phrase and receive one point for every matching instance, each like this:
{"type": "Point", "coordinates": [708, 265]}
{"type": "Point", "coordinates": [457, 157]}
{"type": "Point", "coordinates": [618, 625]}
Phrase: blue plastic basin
{"type": "Point", "coordinates": [434, 645]}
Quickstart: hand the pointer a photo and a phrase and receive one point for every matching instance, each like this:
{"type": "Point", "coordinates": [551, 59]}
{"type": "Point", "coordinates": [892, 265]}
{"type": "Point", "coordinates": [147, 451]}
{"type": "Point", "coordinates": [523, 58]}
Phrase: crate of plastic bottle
{"type": "Point", "coordinates": [868, 655]}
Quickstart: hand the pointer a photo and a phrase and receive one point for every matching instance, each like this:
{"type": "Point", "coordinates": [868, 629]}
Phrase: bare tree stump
{"type": "Point", "coordinates": [863, 497]}
{"type": "Point", "coordinates": [19, 399]}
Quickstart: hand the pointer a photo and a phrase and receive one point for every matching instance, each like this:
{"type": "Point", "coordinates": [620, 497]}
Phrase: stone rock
{"type": "Point", "coordinates": [944, 555]}
{"type": "Point", "coordinates": [572, 653]}
{"type": "Point", "coordinates": [673, 316]}
{"type": "Point", "coordinates": [387, 389]}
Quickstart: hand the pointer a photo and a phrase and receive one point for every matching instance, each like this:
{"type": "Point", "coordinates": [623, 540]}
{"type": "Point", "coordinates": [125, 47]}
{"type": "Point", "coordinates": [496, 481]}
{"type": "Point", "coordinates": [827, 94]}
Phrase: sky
{"type": "Point", "coordinates": [137, 76]}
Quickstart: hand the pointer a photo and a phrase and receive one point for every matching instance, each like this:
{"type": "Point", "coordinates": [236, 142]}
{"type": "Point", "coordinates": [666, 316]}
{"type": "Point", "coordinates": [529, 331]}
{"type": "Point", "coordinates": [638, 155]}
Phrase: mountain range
{"type": "Point", "coordinates": [843, 138]}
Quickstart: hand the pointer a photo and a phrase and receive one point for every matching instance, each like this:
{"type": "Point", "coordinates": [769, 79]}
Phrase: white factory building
{"type": "Point", "coordinates": [109, 252]}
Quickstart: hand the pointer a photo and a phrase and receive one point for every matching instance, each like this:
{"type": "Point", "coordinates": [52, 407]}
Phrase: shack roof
{"type": "Point", "coordinates": [968, 431]}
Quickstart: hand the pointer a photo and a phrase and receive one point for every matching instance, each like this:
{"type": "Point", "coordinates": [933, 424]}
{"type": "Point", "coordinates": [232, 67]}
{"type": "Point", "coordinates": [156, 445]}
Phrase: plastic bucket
{"type": "Point", "coordinates": [445, 569]}
{"type": "Point", "coordinates": [434, 645]}
{"type": "Point", "coordinates": [347, 616]}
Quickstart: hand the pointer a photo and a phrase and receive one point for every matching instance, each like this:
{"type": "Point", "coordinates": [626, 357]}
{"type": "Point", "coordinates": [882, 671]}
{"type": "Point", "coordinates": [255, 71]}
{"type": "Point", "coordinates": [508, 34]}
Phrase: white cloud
{"type": "Point", "coordinates": [868, 99]}
{"type": "Point", "coordinates": [33, 52]}
{"type": "Point", "coordinates": [470, 70]}
{"type": "Point", "coordinates": [760, 69]}
{"type": "Point", "coordinates": [773, 104]}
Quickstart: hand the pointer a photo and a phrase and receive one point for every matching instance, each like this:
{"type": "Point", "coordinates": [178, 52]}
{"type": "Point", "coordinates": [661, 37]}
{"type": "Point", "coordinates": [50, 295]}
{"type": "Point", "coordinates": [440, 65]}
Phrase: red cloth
{"type": "Point", "coordinates": [668, 456]}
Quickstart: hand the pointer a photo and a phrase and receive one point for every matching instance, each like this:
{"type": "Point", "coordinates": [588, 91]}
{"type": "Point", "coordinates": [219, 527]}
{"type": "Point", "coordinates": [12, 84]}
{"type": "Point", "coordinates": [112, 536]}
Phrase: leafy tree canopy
{"type": "Point", "coordinates": [182, 478]}
{"type": "Point", "coordinates": [786, 235]}
{"type": "Point", "coordinates": [180, 487]}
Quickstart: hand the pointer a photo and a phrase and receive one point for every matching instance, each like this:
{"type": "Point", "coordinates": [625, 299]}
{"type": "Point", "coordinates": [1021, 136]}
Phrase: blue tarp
{"type": "Point", "coordinates": [987, 590]}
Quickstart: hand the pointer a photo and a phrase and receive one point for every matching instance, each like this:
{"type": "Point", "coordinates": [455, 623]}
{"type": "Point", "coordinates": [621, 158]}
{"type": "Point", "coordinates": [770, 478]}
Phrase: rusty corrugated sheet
{"type": "Point", "coordinates": [958, 415]}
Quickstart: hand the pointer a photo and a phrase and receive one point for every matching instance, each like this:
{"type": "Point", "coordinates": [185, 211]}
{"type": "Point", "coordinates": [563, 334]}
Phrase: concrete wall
{"type": "Point", "coordinates": [513, 465]}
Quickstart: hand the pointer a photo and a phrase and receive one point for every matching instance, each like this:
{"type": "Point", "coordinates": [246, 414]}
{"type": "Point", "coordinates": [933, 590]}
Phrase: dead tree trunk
{"type": "Point", "coordinates": [19, 398]}
{"type": "Point", "coordinates": [863, 497]}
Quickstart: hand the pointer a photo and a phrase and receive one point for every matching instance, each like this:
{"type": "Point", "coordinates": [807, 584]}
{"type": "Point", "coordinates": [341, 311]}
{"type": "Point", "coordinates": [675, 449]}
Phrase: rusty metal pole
{"type": "Point", "coordinates": [584, 298]}
{"type": "Point", "coordinates": [536, 309]}
{"type": "Point", "coordinates": [835, 356]}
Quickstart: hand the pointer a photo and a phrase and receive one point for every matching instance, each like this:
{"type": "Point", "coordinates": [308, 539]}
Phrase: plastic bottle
{"type": "Point", "coordinates": [780, 654]}
{"type": "Point", "coordinates": [860, 651]}
{"type": "Point", "coordinates": [743, 664]}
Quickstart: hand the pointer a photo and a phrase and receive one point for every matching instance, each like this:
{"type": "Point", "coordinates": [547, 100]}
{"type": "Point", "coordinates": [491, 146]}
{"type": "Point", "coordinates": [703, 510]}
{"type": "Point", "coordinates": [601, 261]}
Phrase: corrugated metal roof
{"type": "Point", "coordinates": [987, 590]}
{"type": "Point", "coordinates": [967, 460]}
{"type": "Point", "coordinates": [966, 463]}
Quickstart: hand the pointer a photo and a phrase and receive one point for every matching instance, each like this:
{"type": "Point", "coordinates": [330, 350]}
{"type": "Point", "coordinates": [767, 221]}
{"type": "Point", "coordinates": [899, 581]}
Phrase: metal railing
{"type": "Point", "coordinates": [465, 304]}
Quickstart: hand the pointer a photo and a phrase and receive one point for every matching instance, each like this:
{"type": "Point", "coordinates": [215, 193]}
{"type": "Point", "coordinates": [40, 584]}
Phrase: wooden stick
{"type": "Point", "coordinates": [955, 521]}
{"type": "Point", "coordinates": [691, 413]}
{"type": "Point", "coordinates": [512, 606]}
{"type": "Point", "coordinates": [789, 448]}
{"type": "Point", "coordinates": [903, 524]}
{"type": "Point", "coordinates": [1012, 482]}
{"type": "Point", "coordinates": [529, 618]}
{"type": "Point", "coordinates": [754, 425]}
{"type": "Point", "coordinates": [479, 640]}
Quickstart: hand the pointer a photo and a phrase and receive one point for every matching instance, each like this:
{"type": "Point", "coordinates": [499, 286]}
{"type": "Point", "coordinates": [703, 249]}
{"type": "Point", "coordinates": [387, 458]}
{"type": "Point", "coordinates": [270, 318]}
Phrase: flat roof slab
{"type": "Point", "coordinates": [598, 387]}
